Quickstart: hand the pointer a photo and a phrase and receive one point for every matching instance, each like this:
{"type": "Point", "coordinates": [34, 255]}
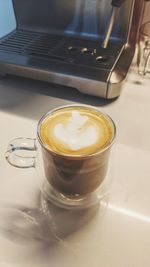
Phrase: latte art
{"type": "Point", "coordinates": [76, 131]}
{"type": "Point", "coordinates": [76, 134]}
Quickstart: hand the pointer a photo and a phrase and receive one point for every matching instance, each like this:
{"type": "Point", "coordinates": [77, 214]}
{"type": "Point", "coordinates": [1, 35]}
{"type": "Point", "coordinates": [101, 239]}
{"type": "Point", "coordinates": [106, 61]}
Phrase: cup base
{"type": "Point", "coordinates": [75, 201]}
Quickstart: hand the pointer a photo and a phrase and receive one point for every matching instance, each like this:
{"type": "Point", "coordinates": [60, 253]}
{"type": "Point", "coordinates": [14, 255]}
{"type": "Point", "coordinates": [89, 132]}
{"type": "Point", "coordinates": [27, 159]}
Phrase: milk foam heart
{"type": "Point", "coordinates": [76, 131]}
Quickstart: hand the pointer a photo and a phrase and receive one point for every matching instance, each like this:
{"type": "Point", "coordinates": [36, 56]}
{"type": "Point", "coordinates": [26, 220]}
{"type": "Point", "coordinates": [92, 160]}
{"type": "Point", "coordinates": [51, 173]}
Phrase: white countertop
{"type": "Point", "coordinates": [116, 234]}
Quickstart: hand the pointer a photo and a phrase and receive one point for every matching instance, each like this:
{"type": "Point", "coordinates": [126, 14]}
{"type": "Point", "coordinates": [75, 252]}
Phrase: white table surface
{"type": "Point", "coordinates": [114, 235]}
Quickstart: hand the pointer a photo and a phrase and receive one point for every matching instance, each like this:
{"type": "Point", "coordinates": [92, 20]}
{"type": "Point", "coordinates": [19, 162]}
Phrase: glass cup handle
{"type": "Point", "coordinates": [22, 152]}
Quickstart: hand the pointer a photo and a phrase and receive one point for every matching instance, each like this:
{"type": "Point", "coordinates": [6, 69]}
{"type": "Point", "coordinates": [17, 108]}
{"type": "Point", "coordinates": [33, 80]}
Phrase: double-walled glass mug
{"type": "Point", "coordinates": [144, 49]}
{"type": "Point", "coordinates": [70, 154]}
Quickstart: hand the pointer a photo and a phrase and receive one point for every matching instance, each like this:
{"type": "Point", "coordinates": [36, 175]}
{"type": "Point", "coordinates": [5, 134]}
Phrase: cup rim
{"type": "Point", "coordinates": [68, 155]}
{"type": "Point", "coordinates": [142, 29]}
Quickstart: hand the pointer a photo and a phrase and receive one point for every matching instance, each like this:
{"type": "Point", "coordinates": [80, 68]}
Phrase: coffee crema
{"type": "Point", "coordinates": [76, 131]}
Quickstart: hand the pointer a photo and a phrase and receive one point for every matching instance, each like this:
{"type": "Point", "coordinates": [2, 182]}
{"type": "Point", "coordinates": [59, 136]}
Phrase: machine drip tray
{"type": "Point", "coordinates": [72, 50]}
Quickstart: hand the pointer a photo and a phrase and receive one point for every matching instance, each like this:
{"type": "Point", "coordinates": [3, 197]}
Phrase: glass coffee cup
{"type": "Point", "coordinates": [144, 49]}
{"type": "Point", "coordinates": [70, 154]}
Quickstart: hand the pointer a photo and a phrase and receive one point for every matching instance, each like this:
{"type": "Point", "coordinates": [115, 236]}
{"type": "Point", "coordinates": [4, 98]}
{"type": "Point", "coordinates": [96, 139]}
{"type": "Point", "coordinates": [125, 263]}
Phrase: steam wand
{"type": "Point", "coordinates": [116, 4]}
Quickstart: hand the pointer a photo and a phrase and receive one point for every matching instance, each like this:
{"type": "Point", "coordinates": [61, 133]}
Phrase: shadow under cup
{"type": "Point", "coordinates": [75, 176]}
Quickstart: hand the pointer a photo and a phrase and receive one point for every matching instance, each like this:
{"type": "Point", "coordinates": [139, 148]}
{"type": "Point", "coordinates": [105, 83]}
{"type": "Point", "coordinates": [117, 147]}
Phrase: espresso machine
{"type": "Point", "coordinates": [85, 44]}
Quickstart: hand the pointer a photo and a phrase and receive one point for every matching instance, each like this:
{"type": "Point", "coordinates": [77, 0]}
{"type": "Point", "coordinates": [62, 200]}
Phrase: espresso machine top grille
{"type": "Point", "coordinates": [62, 42]}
